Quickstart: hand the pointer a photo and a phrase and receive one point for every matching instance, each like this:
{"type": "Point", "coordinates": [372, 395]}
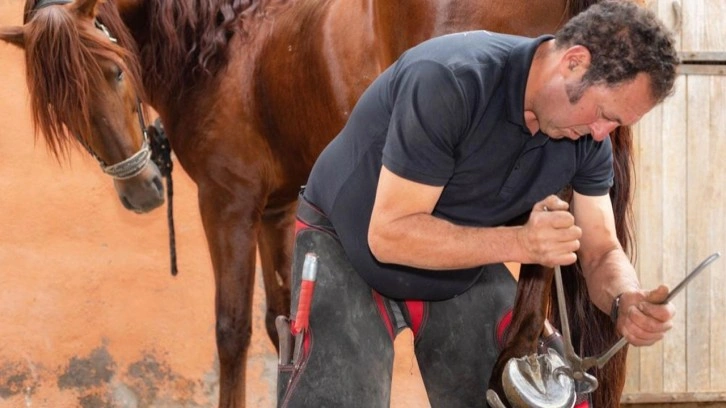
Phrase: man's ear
{"type": "Point", "coordinates": [576, 58]}
{"type": "Point", "coordinates": [13, 35]}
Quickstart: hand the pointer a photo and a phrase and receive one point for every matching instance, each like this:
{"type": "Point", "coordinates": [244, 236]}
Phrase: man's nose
{"type": "Point", "coordinates": [600, 129]}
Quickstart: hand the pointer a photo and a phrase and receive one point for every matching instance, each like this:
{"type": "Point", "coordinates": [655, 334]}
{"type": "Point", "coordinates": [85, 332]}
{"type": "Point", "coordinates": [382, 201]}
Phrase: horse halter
{"type": "Point", "coordinates": [135, 164]}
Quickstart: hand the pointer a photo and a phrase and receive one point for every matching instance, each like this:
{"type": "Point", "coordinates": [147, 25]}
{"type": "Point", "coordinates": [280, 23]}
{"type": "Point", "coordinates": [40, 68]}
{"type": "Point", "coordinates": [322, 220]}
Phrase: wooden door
{"type": "Point", "coordinates": [681, 213]}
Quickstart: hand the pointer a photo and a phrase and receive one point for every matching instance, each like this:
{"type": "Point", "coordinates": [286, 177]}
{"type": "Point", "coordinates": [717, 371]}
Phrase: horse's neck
{"type": "Point", "coordinates": [131, 10]}
{"type": "Point", "coordinates": [134, 16]}
{"type": "Point", "coordinates": [405, 23]}
{"type": "Point", "coordinates": [399, 25]}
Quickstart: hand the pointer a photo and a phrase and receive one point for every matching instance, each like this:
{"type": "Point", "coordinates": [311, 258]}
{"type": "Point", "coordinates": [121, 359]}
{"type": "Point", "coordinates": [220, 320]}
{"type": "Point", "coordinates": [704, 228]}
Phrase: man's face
{"type": "Point", "coordinates": [599, 109]}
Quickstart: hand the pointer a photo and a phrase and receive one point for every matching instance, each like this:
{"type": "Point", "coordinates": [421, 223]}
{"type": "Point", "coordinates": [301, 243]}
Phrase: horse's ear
{"type": "Point", "coordinates": [13, 35]}
{"type": "Point", "coordinates": [87, 8]}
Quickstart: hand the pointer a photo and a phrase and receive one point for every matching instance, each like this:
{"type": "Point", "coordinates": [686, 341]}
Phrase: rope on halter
{"type": "Point", "coordinates": [161, 155]}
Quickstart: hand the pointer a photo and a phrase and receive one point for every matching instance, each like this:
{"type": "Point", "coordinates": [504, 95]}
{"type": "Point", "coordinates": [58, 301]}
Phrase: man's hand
{"type": "Point", "coordinates": [550, 236]}
{"type": "Point", "coordinates": [642, 318]}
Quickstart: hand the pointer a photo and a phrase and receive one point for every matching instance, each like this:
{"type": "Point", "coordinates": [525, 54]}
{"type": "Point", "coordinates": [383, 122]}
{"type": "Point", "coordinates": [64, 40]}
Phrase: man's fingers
{"type": "Point", "coordinates": [641, 339]}
{"type": "Point", "coordinates": [657, 311]}
{"type": "Point", "coordinates": [658, 295]}
{"type": "Point", "coordinates": [644, 327]}
{"type": "Point", "coordinates": [655, 307]}
{"type": "Point", "coordinates": [551, 235]}
{"type": "Point", "coordinates": [553, 203]}
{"type": "Point", "coordinates": [562, 220]}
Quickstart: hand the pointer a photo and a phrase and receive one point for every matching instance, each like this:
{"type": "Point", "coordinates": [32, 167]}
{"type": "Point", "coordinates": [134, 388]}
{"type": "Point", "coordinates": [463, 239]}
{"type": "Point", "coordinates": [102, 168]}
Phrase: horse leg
{"type": "Point", "coordinates": [275, 245]}
{"type": "Point", "coordinates": [230, 224]}
{"type": "Point", "coordinates": [530, 312]}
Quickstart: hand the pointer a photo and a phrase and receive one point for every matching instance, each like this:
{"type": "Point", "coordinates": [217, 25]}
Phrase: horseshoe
{"type": "Point", "coordinates": [537, 381]}
{"type": "Point", "coordinates": [551, 380]}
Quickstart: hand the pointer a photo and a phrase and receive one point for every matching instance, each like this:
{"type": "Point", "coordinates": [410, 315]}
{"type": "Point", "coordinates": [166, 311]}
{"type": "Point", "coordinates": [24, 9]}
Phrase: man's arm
{"type": "Point", "coordinates": [609, 273]}
{"type": "Point", "coordinates": [403, 231]}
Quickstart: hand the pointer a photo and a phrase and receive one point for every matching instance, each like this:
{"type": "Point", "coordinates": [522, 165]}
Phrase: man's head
{"type": "Point", "coordinates": [623, 40]}
{"type": "Point", "coordinates": [608, 67]}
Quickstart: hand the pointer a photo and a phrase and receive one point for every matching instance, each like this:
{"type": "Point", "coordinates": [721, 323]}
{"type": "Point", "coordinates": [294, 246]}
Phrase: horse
{"type": "Point", "coordinates": [249, 92]}
{"type": "Point", "coordinates": [73, 90]}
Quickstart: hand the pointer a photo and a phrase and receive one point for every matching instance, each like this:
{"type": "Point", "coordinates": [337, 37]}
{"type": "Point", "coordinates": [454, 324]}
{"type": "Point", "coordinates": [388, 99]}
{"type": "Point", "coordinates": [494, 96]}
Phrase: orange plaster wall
{"type": "Point", "coordinates": [89, 313]}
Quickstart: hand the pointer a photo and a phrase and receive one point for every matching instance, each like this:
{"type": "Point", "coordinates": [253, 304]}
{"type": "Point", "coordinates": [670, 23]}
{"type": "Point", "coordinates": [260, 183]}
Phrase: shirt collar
{"type": "Point", "coordinates": [517, 67]}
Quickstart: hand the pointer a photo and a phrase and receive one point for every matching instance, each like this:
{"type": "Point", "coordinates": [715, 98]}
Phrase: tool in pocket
{"type": "Point", "coordinates": [305, 300]}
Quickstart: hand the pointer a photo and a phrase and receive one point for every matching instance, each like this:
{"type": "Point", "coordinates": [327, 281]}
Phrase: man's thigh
{"type": "Point", "coordinates": [457, 346]}
{"type": "Point", "coordinates": [349, 358]}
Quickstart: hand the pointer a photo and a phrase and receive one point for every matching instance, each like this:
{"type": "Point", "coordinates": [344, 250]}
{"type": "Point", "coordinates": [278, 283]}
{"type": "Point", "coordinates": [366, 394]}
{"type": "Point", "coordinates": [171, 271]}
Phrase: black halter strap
{"type": "Point", "coordinates": [45, 3]}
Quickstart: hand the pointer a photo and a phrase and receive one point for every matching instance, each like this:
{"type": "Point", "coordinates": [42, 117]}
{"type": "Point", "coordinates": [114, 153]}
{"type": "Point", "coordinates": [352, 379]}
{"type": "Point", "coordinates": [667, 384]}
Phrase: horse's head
{"type": "Point", "coordinates": [85, 88]}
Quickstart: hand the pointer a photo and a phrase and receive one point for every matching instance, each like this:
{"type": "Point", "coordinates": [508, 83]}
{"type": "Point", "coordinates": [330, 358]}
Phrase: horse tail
{"type": "Point", "coordinates": [591, 329]}
{"type": "Point", "coordinates": [522, 336]}
{"type": "Point", "coordinates": [592, 333]}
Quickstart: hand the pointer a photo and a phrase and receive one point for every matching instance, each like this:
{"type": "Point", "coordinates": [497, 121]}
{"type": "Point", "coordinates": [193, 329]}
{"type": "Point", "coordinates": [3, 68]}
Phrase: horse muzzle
{"type": "Point", "coordinates": [143, 192]}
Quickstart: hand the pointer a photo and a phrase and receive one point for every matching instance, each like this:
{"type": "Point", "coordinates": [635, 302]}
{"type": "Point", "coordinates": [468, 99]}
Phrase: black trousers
{"type": "Point", "coordinates": [347, 355]}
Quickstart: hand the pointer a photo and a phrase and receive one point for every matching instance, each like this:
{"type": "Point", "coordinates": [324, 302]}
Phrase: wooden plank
{"type": "Point", "coordinates": [632, 365]}
{"type": "Point", "coordinates": [674, 398]}
{"type": "Point", "coordinates": [710, 404]}
{"type": "Point", "coordinates": [703, 26]}
{"type": "Point", "coordinates": [698, 218]}
{"type": "Point", "coordinates": [650, 233]}
{"type": "Point", "coordinates": [674, 231]}
{"type": "Point", "coordinates": [715, 193]}
{"type": "Point", "coordinates": [632, 378]}
{"type": "Point", "coordinates": [693, 69]}
{"type": "Point", "coordinates": [713, 56]}
{"type": "Point", "coordinates": [669, 12]}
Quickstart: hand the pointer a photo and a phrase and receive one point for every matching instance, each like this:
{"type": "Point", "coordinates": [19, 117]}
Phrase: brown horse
{"type": "Point", "coordinates": [76, 78]}
{"type": "Point", "coordinates": [249, 92]}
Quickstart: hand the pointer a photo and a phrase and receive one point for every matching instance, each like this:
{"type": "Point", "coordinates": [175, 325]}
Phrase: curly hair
{"type": "Point", "coordinates": [624, 39]}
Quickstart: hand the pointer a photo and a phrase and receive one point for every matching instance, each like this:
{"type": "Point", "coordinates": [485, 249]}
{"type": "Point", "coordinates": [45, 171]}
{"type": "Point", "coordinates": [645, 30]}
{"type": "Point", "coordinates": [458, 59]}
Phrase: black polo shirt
{"type": "Point", "coordinates": [449, 112]}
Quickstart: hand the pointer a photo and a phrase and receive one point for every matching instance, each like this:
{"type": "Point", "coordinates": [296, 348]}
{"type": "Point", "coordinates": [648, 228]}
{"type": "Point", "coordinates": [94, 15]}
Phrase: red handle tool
{"type": "Point", "coordinates": [307, 288]}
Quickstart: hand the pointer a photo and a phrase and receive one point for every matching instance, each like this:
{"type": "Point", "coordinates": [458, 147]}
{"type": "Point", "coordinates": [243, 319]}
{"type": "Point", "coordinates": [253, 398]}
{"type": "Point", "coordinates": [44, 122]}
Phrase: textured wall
{"type": "Point", "coordinates": [89, 313]}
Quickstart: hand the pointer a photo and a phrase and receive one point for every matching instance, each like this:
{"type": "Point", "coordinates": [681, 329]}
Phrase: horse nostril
{"type": "Point", "coordinates": [126, 203]}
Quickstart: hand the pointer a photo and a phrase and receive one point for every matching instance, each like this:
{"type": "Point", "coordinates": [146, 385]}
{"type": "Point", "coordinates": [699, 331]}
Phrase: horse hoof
{"type": "Point", "coordinates": [493, 400]}
{"type": "Point", "coordinates": [531, 381]}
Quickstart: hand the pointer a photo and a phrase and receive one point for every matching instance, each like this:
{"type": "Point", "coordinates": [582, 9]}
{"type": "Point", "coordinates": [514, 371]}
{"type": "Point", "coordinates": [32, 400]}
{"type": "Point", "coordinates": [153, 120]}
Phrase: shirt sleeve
{"type": "Point", "coordinates": [595, 173]}
{"type": "Point", "coordinates": [429, 116]}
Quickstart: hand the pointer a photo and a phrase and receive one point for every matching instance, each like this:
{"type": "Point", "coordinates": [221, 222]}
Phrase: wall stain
{"type": "Point", "coordinates": [83, 373]}
{"type": "Point", "coordinates": [153, 381]}
{"type": "Point", "coordinates": [15, 379]}
{"type": "Point", "coordinates": [95, 401]}
{"type": "Point", "coordinates": [97, 381]}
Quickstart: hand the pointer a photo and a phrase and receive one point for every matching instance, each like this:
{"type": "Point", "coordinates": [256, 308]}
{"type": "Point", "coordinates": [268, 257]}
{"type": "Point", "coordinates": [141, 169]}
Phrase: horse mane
{"type": "Point", "coordinates": [62, 70]}
{"type": "Point", "coordinates": [188, 40]}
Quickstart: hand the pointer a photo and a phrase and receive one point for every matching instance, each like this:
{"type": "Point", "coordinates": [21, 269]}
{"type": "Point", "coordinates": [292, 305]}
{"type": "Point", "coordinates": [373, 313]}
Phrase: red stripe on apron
{"type": "Point", "coordinates": [415, 312]}
{"type": "Point", "coordinates": [299, 226]}
{"type": "Point", "coordinates": [502, 327]}
{"type": "Point", "coordinates": [380, 303]}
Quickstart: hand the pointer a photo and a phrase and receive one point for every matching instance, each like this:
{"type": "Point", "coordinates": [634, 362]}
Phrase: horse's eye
{"type": "Point", "coordinates": [119, 76]}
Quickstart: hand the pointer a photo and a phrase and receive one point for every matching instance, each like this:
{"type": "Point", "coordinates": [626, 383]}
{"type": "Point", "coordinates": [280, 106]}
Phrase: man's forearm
{"type": "Point", "coordinates": [424, 241]}
{"type": "Point", "coordinates": [609, 276]}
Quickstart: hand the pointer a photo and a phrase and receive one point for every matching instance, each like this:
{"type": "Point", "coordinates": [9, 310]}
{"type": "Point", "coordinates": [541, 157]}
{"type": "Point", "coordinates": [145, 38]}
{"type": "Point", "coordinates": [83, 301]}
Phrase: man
{"type": "Point", "coordinates": [407, 208]}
